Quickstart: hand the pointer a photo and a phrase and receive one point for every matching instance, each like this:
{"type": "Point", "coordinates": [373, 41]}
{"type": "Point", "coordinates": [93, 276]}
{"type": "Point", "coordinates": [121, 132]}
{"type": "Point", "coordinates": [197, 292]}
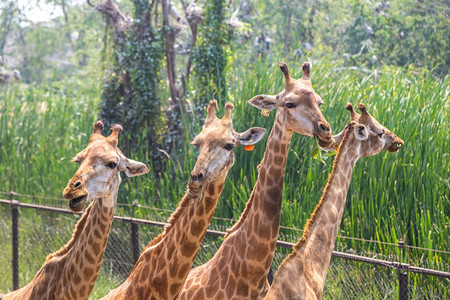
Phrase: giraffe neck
{"type": "Point", "coordinates": [85, 257]}
{"type": "Point", "coordinates": [163, 267]}
{"type": "Point", "coordinates": [72, 271]}
{"type": "Point", "coordinates": [253, 238]}
{"type": "Point", "coordinates": [311, 256]}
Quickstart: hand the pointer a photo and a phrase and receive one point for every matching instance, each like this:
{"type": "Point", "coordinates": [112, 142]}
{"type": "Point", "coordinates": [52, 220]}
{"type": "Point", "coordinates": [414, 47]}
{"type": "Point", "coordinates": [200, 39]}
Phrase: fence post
{"type": "Point", "coordinates": [402, 272]}
{"type": "Point", "coordinates": [15, 240]}
{"type": "Point", "coordinates": [134, 234]}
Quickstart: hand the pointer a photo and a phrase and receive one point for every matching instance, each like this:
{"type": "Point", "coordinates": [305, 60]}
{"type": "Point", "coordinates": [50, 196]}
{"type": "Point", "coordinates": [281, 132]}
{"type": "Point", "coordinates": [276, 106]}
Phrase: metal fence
{"type": "Point", "coordinates": [29, 232]}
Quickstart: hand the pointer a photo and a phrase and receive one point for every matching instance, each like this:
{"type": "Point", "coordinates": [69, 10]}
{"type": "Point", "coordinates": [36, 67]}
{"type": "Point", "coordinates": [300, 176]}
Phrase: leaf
{"type": "Point", "coordinates": [331, 153]}
{"type": "Point", "coordinates": [315, 153]}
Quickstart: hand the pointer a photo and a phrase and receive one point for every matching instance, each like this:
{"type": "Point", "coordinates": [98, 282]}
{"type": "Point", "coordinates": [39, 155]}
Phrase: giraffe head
{"type": "Point", "coordinates": [370, 137]}
{"type": "Point", "coordinates": [216, 143]}
{"type": "Point", "coordinates": [99, 172]}
{"type": "Point", "coordinates": [299, 104]}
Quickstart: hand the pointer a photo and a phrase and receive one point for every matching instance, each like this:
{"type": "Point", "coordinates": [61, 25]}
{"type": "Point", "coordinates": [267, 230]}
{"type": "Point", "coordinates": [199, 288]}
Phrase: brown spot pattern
{"type": "Point", "coordinates": [87, 272]}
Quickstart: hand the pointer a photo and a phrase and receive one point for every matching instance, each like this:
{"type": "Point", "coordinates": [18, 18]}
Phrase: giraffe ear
{"type": "Point", "coordinates": [264, 102]}
{"type": "Point", "coordinates": [134, 168]}
{"type": "Point", "coordinates": [360, 132]}
{"type": "Point", "coordinates": [131, 167]}
{"type": "Point", "coordinates": [252, 136]}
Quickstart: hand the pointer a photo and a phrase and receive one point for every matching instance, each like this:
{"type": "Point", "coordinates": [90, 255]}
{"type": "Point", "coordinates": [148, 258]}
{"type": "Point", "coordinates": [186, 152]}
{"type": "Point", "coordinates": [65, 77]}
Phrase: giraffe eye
{"type": "Point", "coordinates": [229, 146]}
{"type": "Point", "coordinates": [111, 165]}
{"type": "Point", "coordinates": [77, 160]}
{"type": "Point", "coordinates": [381, 133]}
{"type": "Point", "coordinates": [289, 104]}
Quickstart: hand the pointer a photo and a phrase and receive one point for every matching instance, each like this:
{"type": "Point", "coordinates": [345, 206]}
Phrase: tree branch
{"type": "Point", "coordinates": [114, 16]}
{"type": "Point", "coordinates": [193, 17]}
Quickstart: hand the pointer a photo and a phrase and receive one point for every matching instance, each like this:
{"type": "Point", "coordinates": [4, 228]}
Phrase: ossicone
{"type": "Point", "coordinates": [362, 107]}
{"type": "Point", "coordinates": [284, 68]}
{"type": "Point", "coordinates": [211, 111]}
{"type": "Point", "coordinates": [306, 70]}
{"type": "Point", "coordinates": [117, 128]}
{"type": "Point", "coordinates": [98, 127]}
{"type": "Point", "coordinates": [228, 109]}
{"type": "Point", "coordinates": [114, 136]}
{"type": "Point", "coordinates": [353, 114]}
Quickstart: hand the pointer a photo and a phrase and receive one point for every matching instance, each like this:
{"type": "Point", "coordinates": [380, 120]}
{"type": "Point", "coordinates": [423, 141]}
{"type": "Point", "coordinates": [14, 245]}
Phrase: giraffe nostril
{"type": "Point", "coordinates": [323, 128]}
{"type": "Point", "coordinates": [77, 184]}
{"type": "Point", "coordinates": [197, 176]}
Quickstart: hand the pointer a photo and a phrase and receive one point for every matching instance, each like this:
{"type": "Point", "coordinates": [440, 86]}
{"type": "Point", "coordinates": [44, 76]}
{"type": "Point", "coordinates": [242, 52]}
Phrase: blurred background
{"type": "Point", "coordinates": [153, 65]}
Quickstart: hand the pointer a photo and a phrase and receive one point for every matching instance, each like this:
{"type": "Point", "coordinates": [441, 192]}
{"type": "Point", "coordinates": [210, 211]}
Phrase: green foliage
{"type": "Point", "coordinates": [286, 24]}
{"type": "Point", "coordinates": [52, 50]}
{"type": "Point", "coordinates": [210, 55]}
{"type": "Point", "coordinates": [8, 13]}
{"type": "Point", "coordinates": [366, 33]}
{"type": "Point", "coordinates": [399, 32]}
{"type": "Point", "coordinates": [39, 132]}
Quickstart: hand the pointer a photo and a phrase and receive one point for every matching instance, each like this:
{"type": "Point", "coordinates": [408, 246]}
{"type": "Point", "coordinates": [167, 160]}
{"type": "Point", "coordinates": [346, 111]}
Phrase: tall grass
{"type": "Point", "coordinates": [401, 196]}
{"type": "Point", "coordinates": [41, 129]}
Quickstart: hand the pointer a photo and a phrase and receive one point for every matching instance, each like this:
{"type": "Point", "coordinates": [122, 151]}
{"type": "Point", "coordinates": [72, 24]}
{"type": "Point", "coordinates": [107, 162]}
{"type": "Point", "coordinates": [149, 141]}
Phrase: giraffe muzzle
{"type": "Point", "coordinates": [323, 134]}
{"type": "Point", "coordinates": [324, 142]}
{"type": "Point", "coordinates": [77, 204]}
{"type": "Point", "coordinates": [198, 176]}
{"type": "Point", "coordinates": [77, 196]}
{"type": "Point", "coordinates": [395, 145]}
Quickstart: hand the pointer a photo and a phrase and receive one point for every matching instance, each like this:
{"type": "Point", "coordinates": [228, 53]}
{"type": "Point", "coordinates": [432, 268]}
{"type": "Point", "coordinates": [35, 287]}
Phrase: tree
{"type": "Point", "coordinates": [9, 10]}
{"type": "Point", "coordinates": [130, 93]}
{"type": "Point", "coordinates": [210, 54]}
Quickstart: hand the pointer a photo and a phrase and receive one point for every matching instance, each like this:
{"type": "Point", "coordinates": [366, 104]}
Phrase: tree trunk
{"type": "Point", "coordinates": [287, 32]}
{"type": "Point", "coordinates": [114, 16]}
{"type": "Point", "coordinates": [193, 27]}
{"type": "Point", "coordinates": [7, 17]}
{"type": "Point", "coordinates": [174, 112]}
{"type": "Point", "coordinates": [311, 25]}
{"type": "Point", "coordinates": [66, 19]}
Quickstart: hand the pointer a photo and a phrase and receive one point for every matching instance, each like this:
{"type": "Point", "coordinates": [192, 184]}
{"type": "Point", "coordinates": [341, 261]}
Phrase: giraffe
{"type": "Point", "coordinates": [302, 274]}
{"type": "Point", "coordinates": [164, 264]}
{"type": "Point", "coordinates": [70, 272]}
{"type": "Point", "coordinates": [239, 268]}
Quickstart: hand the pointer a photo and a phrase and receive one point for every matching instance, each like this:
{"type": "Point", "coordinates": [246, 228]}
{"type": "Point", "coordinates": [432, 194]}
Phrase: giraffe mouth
{"type": "Point", "coordinates": [394, 147]}
{"type": "Point", "coordinates": [324, 143]}
{"type": "Point", "coordinates": [76, 203]}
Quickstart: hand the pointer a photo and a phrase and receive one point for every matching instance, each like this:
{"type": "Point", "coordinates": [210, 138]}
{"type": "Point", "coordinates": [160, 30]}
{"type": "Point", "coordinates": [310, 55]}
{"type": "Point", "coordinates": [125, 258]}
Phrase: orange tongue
{"type": "Point", "coordinates": [249, 147]}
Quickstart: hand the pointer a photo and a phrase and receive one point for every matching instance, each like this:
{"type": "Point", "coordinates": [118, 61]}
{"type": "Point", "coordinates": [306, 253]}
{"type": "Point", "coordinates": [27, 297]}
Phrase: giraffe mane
{"type": "Point", "coordinates": [76, 234]}
{"type": "Point", "coordinates": [172, 219]}
{"type": "Point", "coordinates": [156, 240]}
{"type": "Point", "coordinates": [319, 206]}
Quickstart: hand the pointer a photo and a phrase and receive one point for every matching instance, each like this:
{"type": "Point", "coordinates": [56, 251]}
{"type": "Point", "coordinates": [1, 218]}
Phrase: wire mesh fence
{"type": "Point", "coordinates": [42, 230]}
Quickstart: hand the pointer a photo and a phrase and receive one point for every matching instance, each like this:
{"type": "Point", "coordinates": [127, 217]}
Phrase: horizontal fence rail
{"type": "Point", "coordinates": [402, 269]}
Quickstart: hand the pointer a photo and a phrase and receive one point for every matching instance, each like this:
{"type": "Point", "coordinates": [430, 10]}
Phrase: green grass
{"type": "Point", "coordinates": [401, 196]}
